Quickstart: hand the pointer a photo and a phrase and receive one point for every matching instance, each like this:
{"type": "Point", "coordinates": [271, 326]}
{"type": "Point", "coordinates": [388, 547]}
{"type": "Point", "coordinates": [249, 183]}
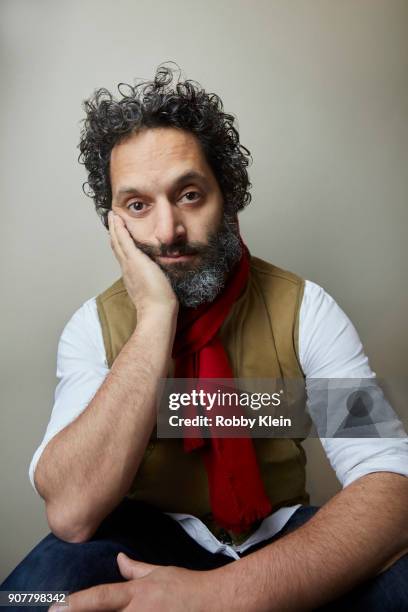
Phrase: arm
{"type": "Point", "coordinates": [358, 533]}
{"type": "Point", "coordinates": [87, 468]}
{"type": "Point", "coordinates": [351, 538]}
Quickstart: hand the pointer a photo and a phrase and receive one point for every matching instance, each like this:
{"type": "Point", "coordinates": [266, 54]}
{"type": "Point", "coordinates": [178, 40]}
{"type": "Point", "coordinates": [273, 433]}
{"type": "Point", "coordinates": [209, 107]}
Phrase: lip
{"type": "Point", "coordinates": [175, 258]}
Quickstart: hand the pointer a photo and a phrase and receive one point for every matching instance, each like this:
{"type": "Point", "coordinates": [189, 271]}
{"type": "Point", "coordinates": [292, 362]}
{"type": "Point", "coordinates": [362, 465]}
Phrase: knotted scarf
{"type": "Point", "coordinates": [236, 490]}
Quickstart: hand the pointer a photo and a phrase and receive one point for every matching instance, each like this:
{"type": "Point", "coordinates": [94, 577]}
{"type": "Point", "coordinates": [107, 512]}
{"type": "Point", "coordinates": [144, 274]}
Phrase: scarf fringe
{"type": "Point", "coordinates": [247, 518]}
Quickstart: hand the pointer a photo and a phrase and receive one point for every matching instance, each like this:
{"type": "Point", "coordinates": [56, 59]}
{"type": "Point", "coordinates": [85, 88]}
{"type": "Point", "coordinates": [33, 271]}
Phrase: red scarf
{"type": "Point", "coordinates": [237, 494]}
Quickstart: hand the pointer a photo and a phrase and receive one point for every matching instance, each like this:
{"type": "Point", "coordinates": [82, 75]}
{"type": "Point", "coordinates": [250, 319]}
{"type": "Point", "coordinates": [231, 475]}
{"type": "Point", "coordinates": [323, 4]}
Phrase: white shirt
{"type": "Point", "coordinates": [329, 347]}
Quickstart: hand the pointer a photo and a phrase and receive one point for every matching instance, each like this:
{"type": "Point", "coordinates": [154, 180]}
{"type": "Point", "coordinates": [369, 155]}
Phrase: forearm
{"type": "Point", "coordinates": [89, 466]}
{"type": "Point", "coordinates": [350, 539]}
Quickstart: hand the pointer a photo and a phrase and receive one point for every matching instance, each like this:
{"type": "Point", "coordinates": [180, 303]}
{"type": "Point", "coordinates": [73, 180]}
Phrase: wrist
{"type": "Point", "coordinates": [220, 590]}
{"type": "Point", "coordinates": [157, 311]}
{"type": "Point", "coordinates": [235, 590]}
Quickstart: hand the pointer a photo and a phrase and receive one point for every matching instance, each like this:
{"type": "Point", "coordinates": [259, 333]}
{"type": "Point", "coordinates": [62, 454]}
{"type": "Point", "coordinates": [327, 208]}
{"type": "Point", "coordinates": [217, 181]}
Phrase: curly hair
{"type": "Point", "coordinates": [163, 102]}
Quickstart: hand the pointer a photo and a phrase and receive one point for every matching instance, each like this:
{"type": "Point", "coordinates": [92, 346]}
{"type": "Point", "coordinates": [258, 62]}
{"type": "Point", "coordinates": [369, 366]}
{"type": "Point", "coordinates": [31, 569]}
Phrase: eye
{"type": "Point", "coordinates": [135, 206]}
{"type": "Point", "coordinates": [191, 196]}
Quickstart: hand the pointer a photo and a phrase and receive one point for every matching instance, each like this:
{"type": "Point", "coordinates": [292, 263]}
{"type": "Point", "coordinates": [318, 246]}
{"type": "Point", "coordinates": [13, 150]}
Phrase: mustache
{"type": "Point", "coordinates": [169, 250]}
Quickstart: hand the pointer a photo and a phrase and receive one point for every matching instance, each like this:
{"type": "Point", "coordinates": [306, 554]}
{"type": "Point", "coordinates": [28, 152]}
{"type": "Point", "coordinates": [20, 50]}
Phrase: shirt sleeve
{"type": "Point", "coordinates": [330, 348]}
{"type": "Point", "coordinates": [81, 369]}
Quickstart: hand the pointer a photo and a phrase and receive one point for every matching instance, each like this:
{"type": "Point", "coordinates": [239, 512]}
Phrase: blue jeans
{"type": "Point", "coordinates": [146, 534]}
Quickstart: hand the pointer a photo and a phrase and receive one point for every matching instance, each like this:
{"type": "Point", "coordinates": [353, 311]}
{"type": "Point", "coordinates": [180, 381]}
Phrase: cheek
{"type": "Point", "coordinates": [213, 216]}
{"type": "Point", "coordinates": [212, 211]}
{"type": "Point", "coordinates": [137, 229]}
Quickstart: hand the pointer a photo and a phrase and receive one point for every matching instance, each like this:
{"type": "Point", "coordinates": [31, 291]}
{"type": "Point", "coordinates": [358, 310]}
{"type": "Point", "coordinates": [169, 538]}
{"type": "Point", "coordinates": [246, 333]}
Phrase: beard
{"type": "Point", "coordinates": [200, 282]}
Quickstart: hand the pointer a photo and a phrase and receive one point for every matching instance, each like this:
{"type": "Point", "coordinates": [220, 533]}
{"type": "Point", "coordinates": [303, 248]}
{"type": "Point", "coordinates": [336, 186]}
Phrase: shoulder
{"type": "Point", "coordinates": [282, 290]}
{"type": "Point", "coordinates": [320, 312]}
{"type": "Point", "coordinates": [266, 271]}
{"type": "Point", "coordinates": [84, 321]}
{"type": "Point", "coordinates": [81, 338]}
{"type": "Point", "coordinates": [329, 345]}
{"type": "Point", "coordinates": [116, 289]}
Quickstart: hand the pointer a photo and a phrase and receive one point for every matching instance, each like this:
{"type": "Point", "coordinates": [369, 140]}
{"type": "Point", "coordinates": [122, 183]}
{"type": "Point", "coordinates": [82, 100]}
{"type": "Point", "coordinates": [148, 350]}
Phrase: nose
{"type": "Point", "coordinates": [169, 227]}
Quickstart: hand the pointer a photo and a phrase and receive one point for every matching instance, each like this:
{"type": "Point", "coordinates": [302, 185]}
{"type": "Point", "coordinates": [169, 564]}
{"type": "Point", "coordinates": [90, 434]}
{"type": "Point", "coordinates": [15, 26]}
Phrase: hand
{"type": "Point", "coordinates": [145, 282]}
{"type": "Point", "coordinates": [150, 588]}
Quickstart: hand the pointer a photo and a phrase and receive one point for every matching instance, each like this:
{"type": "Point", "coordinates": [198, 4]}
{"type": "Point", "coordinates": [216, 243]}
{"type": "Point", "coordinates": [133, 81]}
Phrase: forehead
{"type": "Point", "coordinates": [156, 155]}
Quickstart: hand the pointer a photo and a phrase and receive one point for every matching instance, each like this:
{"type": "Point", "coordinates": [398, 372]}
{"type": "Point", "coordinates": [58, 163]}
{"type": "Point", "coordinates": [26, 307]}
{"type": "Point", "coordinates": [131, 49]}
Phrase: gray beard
{"type": "Point", "coordinates": [201, 283]}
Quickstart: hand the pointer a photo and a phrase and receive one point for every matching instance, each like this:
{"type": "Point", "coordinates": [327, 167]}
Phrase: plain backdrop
{"type": "Point", "coordinates": [320, 89]}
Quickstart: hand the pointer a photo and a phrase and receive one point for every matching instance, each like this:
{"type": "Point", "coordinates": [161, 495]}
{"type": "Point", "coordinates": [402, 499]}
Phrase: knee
{"type": "Point", "coordinates": [62, 566]}
{"type": "Point", "coordinates": [386, 592]}
{"type": "Point", "coordinates": [391, 586]}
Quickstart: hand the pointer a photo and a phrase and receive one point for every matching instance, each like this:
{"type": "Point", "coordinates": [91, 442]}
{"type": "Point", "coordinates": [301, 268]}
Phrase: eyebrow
{"type": "Point", "coordinates": [190, 175]}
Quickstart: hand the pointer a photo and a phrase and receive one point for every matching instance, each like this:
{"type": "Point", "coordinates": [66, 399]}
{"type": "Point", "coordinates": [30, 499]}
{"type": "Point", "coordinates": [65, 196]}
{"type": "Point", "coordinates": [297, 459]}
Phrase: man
{"type": "Point", "coordinates": [136, 519]}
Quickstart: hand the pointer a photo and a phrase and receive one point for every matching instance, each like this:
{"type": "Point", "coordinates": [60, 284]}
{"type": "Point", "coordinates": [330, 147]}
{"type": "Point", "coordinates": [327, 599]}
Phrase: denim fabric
{"type": "Point", "coordinates": [144, 533]}
{"type": "Point", "coordinates": [135, 528]}
{"type": "Point", "coordinates": [387, 592]}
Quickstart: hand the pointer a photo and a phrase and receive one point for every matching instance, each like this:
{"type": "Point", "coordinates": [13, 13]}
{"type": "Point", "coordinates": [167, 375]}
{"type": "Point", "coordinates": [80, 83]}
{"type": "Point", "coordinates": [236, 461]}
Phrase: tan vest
{"type": "Point", "coordinates": [260, 336]}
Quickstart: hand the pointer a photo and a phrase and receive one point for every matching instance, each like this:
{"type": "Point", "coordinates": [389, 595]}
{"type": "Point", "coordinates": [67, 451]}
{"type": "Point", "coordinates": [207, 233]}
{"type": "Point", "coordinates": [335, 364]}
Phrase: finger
{"type": "Point", "coordinates": [114, 240]}
{"type": "Point", "coordinates": [125, 241]}
{"type": "Point", "coordinates": [127, 246]}
{"type": "Point", "coordinates": [131, 569]}
{"type": "Point", "coordinates": [100, 598]}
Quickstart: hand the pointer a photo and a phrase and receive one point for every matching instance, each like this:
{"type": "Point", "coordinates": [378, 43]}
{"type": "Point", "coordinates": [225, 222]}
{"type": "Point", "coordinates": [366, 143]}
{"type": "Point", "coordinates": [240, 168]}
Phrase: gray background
{"type": "Point", "coordinates": [320, 90]}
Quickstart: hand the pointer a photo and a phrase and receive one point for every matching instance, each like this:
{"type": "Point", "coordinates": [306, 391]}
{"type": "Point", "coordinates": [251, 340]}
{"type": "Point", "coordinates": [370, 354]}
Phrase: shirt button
{"type": "Point", "coordinates": [224, 537]}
